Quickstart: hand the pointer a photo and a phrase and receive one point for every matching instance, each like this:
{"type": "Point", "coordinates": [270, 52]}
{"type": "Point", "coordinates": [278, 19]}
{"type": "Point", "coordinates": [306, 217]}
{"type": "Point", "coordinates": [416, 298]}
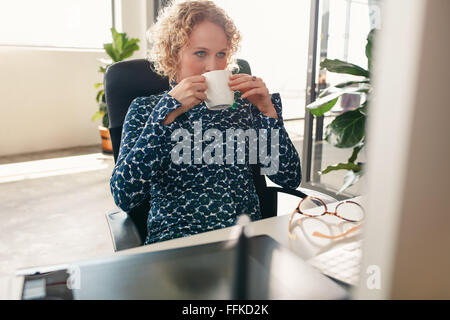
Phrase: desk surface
{"type": "Point", "coordinates": [276, 227]}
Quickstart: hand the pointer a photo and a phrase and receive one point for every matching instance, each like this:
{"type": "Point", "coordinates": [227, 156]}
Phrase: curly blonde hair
{"type": "Point", "coordinates": [174, 26]}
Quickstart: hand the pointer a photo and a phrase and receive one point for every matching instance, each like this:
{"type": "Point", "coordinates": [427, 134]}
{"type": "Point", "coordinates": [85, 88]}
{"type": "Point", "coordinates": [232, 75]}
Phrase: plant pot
{"type": "Point", "coordinates": [106, 140]}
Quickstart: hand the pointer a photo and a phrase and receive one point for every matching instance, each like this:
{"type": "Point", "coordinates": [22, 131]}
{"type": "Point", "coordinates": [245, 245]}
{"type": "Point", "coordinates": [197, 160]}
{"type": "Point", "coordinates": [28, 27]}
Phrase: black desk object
{"type": "Point", "coordinates": [206, 272]}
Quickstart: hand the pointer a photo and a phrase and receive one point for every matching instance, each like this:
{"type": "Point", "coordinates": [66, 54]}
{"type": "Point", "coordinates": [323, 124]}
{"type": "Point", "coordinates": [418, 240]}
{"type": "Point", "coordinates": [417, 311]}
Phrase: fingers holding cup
{"type": "Point", "coordinates": [245, 83]}
{"type": "Point", "coordinates": [255, 91]}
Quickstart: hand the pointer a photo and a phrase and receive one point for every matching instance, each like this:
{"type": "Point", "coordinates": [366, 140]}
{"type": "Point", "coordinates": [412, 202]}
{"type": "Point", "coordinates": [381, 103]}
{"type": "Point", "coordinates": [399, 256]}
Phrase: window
{"type": "Point", "coordinates": [342, 29]}
{"type": "Point", "coordinates": [56, 23]}
{"type": "Point", "coordinates": [275, 43]}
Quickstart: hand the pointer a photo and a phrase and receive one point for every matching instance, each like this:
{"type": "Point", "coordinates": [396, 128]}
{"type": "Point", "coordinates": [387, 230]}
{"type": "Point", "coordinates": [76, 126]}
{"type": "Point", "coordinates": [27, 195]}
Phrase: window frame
{"type": "Point", "coordinates": [113, 24]}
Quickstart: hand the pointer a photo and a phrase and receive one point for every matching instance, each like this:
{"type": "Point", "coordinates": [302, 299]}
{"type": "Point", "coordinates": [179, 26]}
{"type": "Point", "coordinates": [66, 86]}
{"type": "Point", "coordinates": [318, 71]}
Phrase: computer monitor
{"type": "Point", "coordinates": [406, 252]}
{"type": "Point", "coordinates": [255, 268]}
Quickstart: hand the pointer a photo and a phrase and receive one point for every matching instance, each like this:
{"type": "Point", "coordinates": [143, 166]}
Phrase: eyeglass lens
{"type": "Point", "coordinates": [350, 211]}
{"type": "Point", "coordinates": [312, 206]}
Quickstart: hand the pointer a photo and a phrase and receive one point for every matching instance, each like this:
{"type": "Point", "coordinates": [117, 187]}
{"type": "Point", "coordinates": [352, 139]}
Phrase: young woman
{"type": "Point", "coordinates": [189, 197]}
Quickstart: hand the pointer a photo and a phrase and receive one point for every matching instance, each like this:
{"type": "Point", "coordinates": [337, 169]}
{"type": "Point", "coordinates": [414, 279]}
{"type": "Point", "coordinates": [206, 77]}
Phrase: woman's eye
{"type": "Point", "coordinates": [221, 54]}
{"type": "Point", "coordinates": [200, 53]}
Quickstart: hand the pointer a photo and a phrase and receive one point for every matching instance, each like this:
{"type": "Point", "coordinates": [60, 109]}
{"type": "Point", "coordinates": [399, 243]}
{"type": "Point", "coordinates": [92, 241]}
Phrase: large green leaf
{"type": "Point", "coordinates": [130, 43]}
{"type": "Point", "coordinates": [111, 52]}
{"type": "Point", "coordinates": [347, 129]}
{"type": "Point", "coordinates": [355, 152]}
{"type": "Point", "coordinates": [370, 37]}
{"type": "Point", "coordinates": [339, 66]}
{"type": "Point", "coordinates": [364, 86]}
{"type": "Point", "coordinates": [102, 106]}
{"type": "Point", "coordinates": [321, 106]}
{"type": "Point", "coordinates": [351, 83]}
{"type": "Point", "coordinates": [326, 103]}
{"type": "Point", "coordinates": [363, 108]}
{"type": "Point", "coordinates": [129, 48]}
{"type": "Point", "coordinates": [100, 93]}
{"type": "Point", "coordinates": [105, 120]}
{"type": "Point", "coordinates": [120, 49]}
{"type": "Point", "coordinates": [341, 166]}
{"type": "Point", "coordinates": [102, 69]}
{"type": "Point", "coordinates": [117, 40]}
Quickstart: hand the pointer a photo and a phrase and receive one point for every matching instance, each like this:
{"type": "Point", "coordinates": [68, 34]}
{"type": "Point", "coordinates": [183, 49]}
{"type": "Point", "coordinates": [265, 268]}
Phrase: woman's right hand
{"type": "Point", "coordinates": [189, 92]}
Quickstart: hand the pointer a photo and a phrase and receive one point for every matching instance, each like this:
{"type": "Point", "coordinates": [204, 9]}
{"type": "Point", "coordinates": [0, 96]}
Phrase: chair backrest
{"type": "Point", "coordinates": [126, 80]}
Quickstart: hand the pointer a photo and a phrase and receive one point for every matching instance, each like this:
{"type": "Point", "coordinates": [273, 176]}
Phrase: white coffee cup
{"type": "Point", "coordinates": [218, 95]}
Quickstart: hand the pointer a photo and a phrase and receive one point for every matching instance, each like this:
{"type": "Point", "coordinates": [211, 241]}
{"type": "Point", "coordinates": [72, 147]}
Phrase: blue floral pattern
{"type": "Point", "coordinates": [185, 198]}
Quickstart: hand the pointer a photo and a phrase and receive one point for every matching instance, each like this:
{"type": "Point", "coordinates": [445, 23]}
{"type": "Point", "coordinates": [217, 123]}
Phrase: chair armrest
{"type": "Point", "coordinates": [123, 231]}
{"type": "Point", "coordinates": [307, 192]}
{"type": "Point", "coordinates": [324, 197]}
{"type": "Point", "coordinates": [272, 196]}
{"type": "Point", "coordinates": [288, 191]}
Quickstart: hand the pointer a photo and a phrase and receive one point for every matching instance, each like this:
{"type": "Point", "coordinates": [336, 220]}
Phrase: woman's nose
{"type": "Point", "coordinates": [213, 64]}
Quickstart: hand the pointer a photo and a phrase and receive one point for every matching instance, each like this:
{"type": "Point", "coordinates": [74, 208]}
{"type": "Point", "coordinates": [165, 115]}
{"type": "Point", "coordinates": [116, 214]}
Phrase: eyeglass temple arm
{"type": "Point", "coordinates": [321, 235]}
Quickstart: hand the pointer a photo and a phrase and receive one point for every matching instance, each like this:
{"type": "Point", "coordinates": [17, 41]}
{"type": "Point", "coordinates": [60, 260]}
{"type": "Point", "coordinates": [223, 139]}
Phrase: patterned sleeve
{"type": "Point", "coordinates": [281, 162]}
{"type": "Point", "coordinates": [144, 151]}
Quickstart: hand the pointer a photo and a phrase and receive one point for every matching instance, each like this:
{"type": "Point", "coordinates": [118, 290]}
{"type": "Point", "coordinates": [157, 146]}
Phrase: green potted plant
{"type": "Point", "coordinates": [120, 49]}
{"type": "Point", "coordinates": [347, 130]}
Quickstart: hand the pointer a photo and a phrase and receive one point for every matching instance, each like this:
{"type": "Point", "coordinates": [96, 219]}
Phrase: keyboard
{"type": "Point", "coordinates": [342, 263]}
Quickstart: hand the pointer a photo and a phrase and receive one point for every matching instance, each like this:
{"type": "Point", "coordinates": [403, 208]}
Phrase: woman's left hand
{"type": "Point", "coordinates": [254, 90]}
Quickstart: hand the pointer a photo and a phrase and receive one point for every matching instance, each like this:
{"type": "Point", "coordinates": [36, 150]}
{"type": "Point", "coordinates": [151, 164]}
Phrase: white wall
{"type": "Point", "coordinates": [47, 95]}
{"type": "Point", "coordinates": [47, 99]}
{"type": "Point", "coordinates": [134, 17]}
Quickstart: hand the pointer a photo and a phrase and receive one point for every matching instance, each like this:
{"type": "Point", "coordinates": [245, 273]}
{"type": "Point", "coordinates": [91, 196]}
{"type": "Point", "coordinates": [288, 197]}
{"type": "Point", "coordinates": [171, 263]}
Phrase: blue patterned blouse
{"type": "Point", "coordinates": [196, 181]}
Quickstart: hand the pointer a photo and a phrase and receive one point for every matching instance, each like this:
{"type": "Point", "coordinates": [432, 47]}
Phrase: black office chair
{"type": "Point", "coordinates": [125, 81]}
